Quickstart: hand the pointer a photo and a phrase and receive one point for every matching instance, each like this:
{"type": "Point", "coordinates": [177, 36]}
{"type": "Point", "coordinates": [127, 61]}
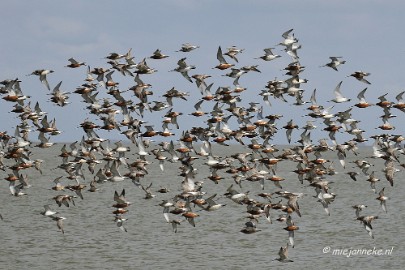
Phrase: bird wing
{"type": "Point", "coordinates": [337, 92]}
{"type": "Point", "coordinates": [360, 96]}
{"type": "Point", "coordinates": [220, 56]}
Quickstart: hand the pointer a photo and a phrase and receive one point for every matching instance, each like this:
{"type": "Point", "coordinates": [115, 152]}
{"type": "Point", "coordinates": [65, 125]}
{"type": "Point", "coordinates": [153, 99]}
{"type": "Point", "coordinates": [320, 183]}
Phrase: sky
{"type": "Point", "coordinates": [45, 34]}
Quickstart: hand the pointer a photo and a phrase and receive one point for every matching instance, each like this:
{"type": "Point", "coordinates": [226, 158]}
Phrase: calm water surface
{"type": "Point", "coordinates": [93, 241]}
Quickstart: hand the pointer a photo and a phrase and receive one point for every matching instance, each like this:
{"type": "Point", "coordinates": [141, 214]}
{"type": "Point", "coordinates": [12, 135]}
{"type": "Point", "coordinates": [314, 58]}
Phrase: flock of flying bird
{"type": "Point", "coordinates": [125, 114]}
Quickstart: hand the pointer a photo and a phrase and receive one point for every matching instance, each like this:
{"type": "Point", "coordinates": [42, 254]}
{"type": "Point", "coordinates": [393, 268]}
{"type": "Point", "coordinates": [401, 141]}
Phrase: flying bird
{"type": "Point", "coordinates": [359, 75]}
{"type": "Point", "coordinates": [223, 64]}
{"type": "Point", "coordinates": [268, 55]}
{"type": "Point", "coordinates": [335, 61]}
{"type": "Point", "coordinates": [184, 68]}
{"type": "Point", "coordinates": [42, 76]}
{"type": "Point", "coordinates": [339, 98]}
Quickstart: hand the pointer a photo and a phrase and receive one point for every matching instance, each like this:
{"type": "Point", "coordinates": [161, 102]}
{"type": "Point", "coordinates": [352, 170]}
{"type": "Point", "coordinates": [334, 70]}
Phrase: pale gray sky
{"type": "Point", "coordinates": [44, 34]}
